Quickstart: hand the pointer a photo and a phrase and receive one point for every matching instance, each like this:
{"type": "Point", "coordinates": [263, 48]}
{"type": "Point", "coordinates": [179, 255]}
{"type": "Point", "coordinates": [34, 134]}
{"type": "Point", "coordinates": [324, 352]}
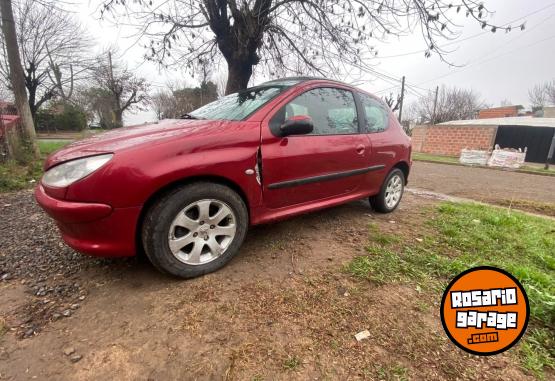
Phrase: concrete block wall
{"type": "Point", "coordinates": [450, 140]}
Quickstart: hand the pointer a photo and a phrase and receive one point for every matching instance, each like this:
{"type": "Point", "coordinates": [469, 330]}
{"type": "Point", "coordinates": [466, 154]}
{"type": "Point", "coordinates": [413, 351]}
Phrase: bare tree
{"type": "Point", "coordinates": [98, 104]}
{"type": "Point", "coordinates": [325, 37]}
{"type": "Point", "coordinates": [5, 93]}
{"type": "Point", "coordinates": [164, 104]}
{"type": "Point", "coordinates": [221, 83]}
{"type": "Point", "coordinates": [452, 104]}
{"type": "Point", "coordinates": [506, 102]}
{"type": "Point", "coordinates": [17, 79]}
{"type": "Point", "coordinates": [537, 95]}
{"type": "Point", "coordinates": [550, 90]}
{"type": "Point", "coordinates": [173, 103]}
{"type": "Point", "coordinates": [393, 103]}
{"type": "Point", "coordinates": [116, 90]}
{"type": "Point", "coordinates": [53, 48]}
{"type": "Point", "coordinates": [542, 94]}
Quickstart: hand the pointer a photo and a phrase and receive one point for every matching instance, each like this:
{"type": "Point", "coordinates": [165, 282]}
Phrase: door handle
{"type": "Point", "coordinates": [360, 149]}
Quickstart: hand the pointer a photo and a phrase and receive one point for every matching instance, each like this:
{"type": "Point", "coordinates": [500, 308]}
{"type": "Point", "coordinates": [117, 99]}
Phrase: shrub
{"type": "Point", "coordinates": [61, 117]}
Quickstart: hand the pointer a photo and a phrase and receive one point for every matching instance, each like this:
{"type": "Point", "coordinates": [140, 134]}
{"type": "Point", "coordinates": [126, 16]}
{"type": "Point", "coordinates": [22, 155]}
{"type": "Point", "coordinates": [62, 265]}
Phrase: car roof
{"type": "Point", "coordinates": [295, 81]}
{"type": "Point", "coordinates": [292, 81]}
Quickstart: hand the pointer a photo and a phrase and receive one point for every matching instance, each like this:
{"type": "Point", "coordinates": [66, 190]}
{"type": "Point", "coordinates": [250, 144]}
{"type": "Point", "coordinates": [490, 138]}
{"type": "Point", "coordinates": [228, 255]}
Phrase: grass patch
{"type": "Point", "coordinates": [435, 158]}
{"type": "Point", "coordinates": [15, 176]}
{"type": "Point", "coordinates": [538, 350]}
{"type": "Point", "coordinates": [546, 208]}
{"type": "Point", "coordinates": [394, 372]}
{"type": "Point", "coordinates": [465, 235]}
{"type": "Point", "coordinates": [381, 238]}
{"type": "Point", "coordinates": [49, 146]}
{"type": "Point", "coordinates": [292, 362]}
{"type": "Point", "coordinates": [533, 168]}
{"type": "Point", "coordinates": [419, 156]}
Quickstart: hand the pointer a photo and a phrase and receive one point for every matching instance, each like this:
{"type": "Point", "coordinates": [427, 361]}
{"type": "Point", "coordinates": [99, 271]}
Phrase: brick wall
{"type": "Point", "coordinates": [418, 136]}
{"type": "Point", "coordinates": [450, 140]}
{"type": "Point", "coordinates": [498, 112]}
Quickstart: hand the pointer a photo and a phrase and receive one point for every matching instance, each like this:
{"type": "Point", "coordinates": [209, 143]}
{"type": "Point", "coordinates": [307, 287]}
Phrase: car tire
{"type": "Point", "coordinates": [177, 218]}
{"type": "Point", "coordinates": [386, 201]}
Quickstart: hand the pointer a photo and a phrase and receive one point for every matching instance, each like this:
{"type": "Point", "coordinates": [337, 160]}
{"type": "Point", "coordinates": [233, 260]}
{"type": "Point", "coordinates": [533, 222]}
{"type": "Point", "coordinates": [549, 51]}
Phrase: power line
{"type": "Point", "coordinates": [469, 37]}
{"type": "Point", "coordinates": [489, 59]}
{"type": "Point", "coordinates": [485, 58]}
{"type": "Point", "coordinates": [412, 86]}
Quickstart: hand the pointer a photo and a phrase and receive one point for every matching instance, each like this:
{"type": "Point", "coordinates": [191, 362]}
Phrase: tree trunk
{"type": "Point", "coordinates": [17, 77]}
{"type": "Point", "coordinates": [238, 76]}
{"type": "Point", "coordinates": [118, 118]}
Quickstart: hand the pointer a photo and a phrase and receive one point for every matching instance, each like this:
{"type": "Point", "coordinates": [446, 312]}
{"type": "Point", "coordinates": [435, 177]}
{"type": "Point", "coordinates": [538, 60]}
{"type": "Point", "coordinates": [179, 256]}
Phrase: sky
{"type": "Point", "coordinates": [499, 66]}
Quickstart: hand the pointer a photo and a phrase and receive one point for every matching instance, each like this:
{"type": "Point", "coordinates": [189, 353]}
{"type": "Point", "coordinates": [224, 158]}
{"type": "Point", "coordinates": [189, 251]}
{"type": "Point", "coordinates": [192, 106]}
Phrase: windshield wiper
{"type": "Point", "coordinates": [188, 116]}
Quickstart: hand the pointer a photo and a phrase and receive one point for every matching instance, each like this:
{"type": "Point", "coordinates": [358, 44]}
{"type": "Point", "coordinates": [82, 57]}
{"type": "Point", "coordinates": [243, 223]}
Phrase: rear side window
{"type": "Point", "coordinates": [375, 113]}
{"type": "Point", "coordinates": [332, 110]}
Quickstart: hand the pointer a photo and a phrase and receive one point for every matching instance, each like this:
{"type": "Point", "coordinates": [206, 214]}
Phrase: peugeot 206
{"type": "Point", "coordinates": [185, 191]}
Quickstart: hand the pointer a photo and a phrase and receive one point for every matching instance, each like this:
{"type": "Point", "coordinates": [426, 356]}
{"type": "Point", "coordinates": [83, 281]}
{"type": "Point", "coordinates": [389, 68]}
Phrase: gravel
{"type": "Point", "coordinates": [33, 254]}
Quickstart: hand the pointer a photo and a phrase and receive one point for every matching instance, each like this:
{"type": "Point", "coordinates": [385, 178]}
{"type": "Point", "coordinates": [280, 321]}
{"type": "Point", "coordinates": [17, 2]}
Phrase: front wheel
{"type": "Point", "coordinates": [195, 230]}
{"type": "Point", "coordinates": [391, 192]}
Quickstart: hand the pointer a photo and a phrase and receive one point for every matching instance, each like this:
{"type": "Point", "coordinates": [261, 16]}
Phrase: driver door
{"type": "Point", "coordinates": [329, 162]}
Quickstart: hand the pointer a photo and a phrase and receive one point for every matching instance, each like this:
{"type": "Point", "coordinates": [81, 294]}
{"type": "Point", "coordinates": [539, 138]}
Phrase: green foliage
{"type": "Point", "coordinates": [466, 235]}
{"type": "Point", "coordinates": [61, 117]}
{"type": "Point", "coordinates": [20, 175]}
{"type": "Point", "coordinates": [15, 176]}
{"type": "Point", "coordinates": [538, 350]}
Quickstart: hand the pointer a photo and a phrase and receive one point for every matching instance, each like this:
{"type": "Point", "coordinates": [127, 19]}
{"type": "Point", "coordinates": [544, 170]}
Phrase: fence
{"type": "Point", "coordinates": [9, 137]}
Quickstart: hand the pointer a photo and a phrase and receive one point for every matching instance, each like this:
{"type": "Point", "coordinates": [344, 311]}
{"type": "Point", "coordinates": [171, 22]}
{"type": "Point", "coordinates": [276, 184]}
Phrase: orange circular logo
{"type": "Point", "coordinates": [485, 310]}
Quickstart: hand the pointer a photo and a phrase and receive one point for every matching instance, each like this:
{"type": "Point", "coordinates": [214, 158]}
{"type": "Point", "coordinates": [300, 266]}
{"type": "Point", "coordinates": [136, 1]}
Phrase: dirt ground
{"type": "Point", "coordinates": [481, 184]}
{"type": "Point", "coordinates": [283, 309]}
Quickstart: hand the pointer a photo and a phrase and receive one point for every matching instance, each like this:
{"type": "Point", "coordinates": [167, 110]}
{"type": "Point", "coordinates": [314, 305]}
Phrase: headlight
{"type": "Point", "coordinates": [66, 174]}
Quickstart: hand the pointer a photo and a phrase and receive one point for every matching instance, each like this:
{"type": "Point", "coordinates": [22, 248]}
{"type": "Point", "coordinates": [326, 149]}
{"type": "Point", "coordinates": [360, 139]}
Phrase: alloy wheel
{"type": "Point", "coordinates": [202, 231]}
{"type": "Point", "coordinates": [393, 191]}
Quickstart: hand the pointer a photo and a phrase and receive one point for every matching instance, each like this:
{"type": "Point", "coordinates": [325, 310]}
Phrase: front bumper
{"type": "Point", "coordinates": [90, 228]}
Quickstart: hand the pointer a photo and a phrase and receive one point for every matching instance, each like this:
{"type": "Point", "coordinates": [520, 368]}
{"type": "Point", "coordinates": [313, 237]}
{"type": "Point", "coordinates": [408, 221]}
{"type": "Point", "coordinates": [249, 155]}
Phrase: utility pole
{"type": "Point", "coordinates": [402, 98]}
{"type": "Point", "coordinates": [435, 106]}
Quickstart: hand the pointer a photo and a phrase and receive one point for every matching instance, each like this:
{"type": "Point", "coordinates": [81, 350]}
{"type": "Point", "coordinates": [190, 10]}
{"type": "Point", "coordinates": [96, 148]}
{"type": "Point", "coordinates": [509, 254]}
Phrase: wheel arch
{"type": "Point", "coordinates": [180, 183]}
{"type": "Point", "coordinates": [405, 168]}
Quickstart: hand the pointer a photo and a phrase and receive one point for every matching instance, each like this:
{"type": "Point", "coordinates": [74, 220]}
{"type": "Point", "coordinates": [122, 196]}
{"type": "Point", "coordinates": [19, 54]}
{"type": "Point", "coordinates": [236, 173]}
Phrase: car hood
{"type": "Point", "coordinates": [131, 137]}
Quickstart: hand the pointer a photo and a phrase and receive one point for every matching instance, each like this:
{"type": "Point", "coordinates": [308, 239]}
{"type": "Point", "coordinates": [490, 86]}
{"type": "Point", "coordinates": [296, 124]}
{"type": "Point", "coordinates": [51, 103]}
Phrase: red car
{"type": "Point", "coordinates": [187, 190]}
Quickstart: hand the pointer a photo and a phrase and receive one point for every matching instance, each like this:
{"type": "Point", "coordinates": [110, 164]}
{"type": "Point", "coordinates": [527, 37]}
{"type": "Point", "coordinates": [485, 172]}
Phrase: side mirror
{"type": "Point", "coordinates": [297, 125]}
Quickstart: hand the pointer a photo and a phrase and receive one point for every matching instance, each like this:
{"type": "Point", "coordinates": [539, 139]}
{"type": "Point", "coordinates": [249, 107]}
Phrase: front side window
{"type": "Point", "coordinates": [376, 115]}
{"type": "Point", "coordinates": [333, 111]}
{"type": "Point", "coordinates": [239, 105]}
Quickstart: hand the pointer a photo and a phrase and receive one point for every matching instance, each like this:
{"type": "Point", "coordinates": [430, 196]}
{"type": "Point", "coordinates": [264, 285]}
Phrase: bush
{"type": "Point", "coordinates": [61, 117]}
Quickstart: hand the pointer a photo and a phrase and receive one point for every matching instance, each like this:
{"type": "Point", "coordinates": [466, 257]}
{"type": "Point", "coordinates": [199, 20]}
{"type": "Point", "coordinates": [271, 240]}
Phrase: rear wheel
{"type": "Point", "coordinates": [195, 229]}
{"type": "Point", "coordinates": [391, 192]}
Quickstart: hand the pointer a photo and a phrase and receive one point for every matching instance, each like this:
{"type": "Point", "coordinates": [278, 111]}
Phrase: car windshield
{"type": "Point", "coordinates": [239, 105]}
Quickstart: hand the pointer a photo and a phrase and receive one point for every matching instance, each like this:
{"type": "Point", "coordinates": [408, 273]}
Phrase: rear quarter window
{"type": "Point", "coordinates": [375, 114]}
